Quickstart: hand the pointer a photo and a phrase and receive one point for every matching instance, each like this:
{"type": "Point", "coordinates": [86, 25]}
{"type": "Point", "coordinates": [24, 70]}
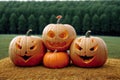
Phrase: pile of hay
{"type": "Point", "coordinates": [110, 71]}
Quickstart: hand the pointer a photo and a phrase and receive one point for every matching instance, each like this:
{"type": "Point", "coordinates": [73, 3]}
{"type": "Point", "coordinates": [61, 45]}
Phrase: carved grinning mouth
{"type": "Point", "coordinates": [57, 44]}
{"type": "Point", "coordinates": [25, 57]}
{"type": "Point", "coordinates": [86, 58]}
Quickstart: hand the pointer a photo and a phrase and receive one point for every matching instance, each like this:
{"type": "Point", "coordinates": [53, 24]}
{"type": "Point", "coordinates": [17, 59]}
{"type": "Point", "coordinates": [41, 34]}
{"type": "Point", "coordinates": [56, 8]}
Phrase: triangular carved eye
{"type": "Point", "coordinates": [18, 46]}
{"type": "Point", "coordinates": [94, 48]}
{"type": "Point", "coordinates": [51, 34]}
{"type": "Point", "coordinates": [32, 47]}
{"type": "Point", "coordinates": [78, 47]}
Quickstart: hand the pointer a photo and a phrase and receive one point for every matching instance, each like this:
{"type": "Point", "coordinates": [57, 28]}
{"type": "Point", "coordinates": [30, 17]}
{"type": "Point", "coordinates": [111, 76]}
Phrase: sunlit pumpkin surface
{"type": "Point", "coordinates": [58, 36]}
{"type": "Point", "coordinates": [88, 52]}
{"type": "Point", "coordinates": [26, 50]}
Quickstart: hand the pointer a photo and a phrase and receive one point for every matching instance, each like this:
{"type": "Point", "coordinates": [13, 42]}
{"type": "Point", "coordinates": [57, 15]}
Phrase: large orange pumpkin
{"type": "Point", "coordinates": [56, 59]}
{"type": "Point", "coordinates": [26, 50]}
{"type": "Point", "coordinates": [88, 51]}
{"type": "Point", "coordinates": [58, 36]}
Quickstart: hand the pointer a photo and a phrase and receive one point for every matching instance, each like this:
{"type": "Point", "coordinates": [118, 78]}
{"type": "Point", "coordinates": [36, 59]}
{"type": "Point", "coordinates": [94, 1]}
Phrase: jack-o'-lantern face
{"type": "Point", "coordinates": [26, 47]}
{"type": "Point", "coordinates": [26, 50]}
{"type": "Point", "coordinates": [58, 36]}
{"type": "Point", "coordinates": [88, 52]}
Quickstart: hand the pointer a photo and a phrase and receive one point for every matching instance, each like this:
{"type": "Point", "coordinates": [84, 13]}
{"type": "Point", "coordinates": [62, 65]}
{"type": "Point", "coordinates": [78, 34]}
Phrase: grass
{"type": "Point", "coordinates": [113, 44]}
{"type": "Point", "coordinates": [4, 44]}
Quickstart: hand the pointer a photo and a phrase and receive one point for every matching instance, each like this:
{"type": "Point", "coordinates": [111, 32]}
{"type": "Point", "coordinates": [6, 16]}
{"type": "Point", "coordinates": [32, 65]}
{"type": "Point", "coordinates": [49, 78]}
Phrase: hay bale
{"type": "Point", "coordinates": [110, 71]}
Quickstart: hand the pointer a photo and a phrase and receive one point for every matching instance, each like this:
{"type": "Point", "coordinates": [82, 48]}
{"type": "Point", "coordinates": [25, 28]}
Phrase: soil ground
{"type": "Point", "coordinates": [110, 71]}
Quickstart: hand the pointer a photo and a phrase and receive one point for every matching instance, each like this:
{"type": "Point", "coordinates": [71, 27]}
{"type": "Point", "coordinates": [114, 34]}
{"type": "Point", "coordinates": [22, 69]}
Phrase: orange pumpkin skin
{"type": "Point", "coordinates": [26, 50]}
{"type": "Point", "coordinates": [88, 52]}
{"type": "Point", "coordinates": [58, 36]}
{"type": "Point", "coordinates": [56, 59]}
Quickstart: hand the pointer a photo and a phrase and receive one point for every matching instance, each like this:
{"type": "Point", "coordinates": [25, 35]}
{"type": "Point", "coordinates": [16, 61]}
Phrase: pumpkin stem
{"type": "Point", "coordinates": [87, 34]}
{"type": "Point", "coordinates": [59, 18]}
{"type": "Point", "coordinates": [28, 32]}
{"type": "Point", "coordinates": [55, 51]}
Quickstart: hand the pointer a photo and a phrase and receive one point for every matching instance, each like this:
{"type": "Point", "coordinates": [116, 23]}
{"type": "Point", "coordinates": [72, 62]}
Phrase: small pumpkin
{"type": "Point", "coordinates": [56, 59]}
{"type": "Point", "coordinates": [88, 51]}
{"type": "Point", "coordinates": [58, 36]}
{"type": "Point", "coordinates": [26, 50]}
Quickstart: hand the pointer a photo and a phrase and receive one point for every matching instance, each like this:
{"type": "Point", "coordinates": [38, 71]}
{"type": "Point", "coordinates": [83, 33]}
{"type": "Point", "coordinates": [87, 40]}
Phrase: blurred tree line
{"type": "Point", "coordinates": [102, 17]}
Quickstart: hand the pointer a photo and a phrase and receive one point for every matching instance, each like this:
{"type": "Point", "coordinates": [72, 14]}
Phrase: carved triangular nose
{"type": "Point", "coordinates": [25, 52]}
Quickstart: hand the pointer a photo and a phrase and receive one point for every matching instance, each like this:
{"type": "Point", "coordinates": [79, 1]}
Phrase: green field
{"type": "Point", "coordinates": [113, 44]}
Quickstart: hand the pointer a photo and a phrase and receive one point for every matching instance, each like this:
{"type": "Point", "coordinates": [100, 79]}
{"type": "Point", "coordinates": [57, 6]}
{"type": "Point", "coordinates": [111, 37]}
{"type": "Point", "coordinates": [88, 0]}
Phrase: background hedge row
{"type": "Point", "coordinates": [102, 17]}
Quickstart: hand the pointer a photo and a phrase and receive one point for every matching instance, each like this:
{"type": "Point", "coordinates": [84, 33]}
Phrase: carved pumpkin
{"type": "Point", "coordinates": [56, 59]}
{"type": "Point", "coordinates": [26, 50]}
{"type": "Point", "coordinates": [88, 51]}
{"type": "Point", "coordinates": [58, 36]}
